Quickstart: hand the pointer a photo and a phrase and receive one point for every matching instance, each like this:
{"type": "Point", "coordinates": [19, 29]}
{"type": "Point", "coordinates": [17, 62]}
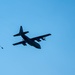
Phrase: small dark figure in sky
{"type": "Point", "coordinates": [1, 47]}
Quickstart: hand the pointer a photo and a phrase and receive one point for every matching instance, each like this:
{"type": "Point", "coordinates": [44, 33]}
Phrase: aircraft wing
{"type": "Point", "coordinates": [40, 37]}
{"type": "Point", "coordinates": [21, 42]}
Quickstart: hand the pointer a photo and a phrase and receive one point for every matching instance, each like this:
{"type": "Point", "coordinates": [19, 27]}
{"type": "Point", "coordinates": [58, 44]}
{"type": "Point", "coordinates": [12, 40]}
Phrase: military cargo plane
{"type": "Point", "coordinates": [30, 41]}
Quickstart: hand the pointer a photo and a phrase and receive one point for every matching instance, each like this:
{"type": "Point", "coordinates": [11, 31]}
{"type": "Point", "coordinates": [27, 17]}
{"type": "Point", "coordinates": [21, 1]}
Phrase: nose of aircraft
{"type": "Point", "coordinates": [39, 47]}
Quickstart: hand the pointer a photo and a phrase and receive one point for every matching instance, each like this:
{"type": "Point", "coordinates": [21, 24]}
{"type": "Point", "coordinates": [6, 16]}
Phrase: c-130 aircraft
{"type": "Point", "coordinates": [30, 41]}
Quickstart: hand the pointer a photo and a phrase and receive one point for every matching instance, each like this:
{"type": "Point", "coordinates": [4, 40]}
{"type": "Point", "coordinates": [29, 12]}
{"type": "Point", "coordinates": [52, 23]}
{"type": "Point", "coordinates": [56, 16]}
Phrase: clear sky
{"type": "Point", "coordinates": [57, 56]}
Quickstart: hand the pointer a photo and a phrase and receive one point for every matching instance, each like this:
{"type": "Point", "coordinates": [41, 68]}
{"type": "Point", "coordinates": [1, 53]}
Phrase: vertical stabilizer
{"type": "Point", "coordinates": [21, 29]}
{"type": "Point", "coordinates": [21, 32]}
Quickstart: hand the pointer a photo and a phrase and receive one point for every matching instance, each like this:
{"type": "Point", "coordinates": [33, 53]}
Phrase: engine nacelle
{"type": "Point", "coordinates": [43, 38]}
{"type": "Point", "coordinates": [38, 40]}
{"type": "Point", "coordinates": [24, 43]}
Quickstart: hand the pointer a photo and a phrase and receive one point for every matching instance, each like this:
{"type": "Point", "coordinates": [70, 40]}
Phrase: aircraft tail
{"type": "Point", "coordinates": [21, 32]}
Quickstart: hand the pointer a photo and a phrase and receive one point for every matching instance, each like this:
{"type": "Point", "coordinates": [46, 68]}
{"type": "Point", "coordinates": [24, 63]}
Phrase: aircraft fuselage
{"type": "Point", "coordinates": [30, 42]}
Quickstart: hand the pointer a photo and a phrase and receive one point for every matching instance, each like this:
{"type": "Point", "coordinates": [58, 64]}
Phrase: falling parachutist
{"type": "Point", "coordinates": [1, 47]}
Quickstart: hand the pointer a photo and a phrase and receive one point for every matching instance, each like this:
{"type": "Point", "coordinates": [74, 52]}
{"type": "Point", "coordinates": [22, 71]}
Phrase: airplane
{"type": "Point", "coordinates": [30, 41]}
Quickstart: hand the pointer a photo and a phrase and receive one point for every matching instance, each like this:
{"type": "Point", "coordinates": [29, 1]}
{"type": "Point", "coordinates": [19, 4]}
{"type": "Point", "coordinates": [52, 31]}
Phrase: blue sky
{"type": "Point", "coordinates": [57, 56]}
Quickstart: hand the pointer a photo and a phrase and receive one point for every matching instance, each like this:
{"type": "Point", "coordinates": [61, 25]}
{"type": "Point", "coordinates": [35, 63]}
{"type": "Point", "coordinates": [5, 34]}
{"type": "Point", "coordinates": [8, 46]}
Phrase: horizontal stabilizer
{"type": "Point", "coordinates": [25, 32]}
{"type": "Point", "coordinates": [19, 34]}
